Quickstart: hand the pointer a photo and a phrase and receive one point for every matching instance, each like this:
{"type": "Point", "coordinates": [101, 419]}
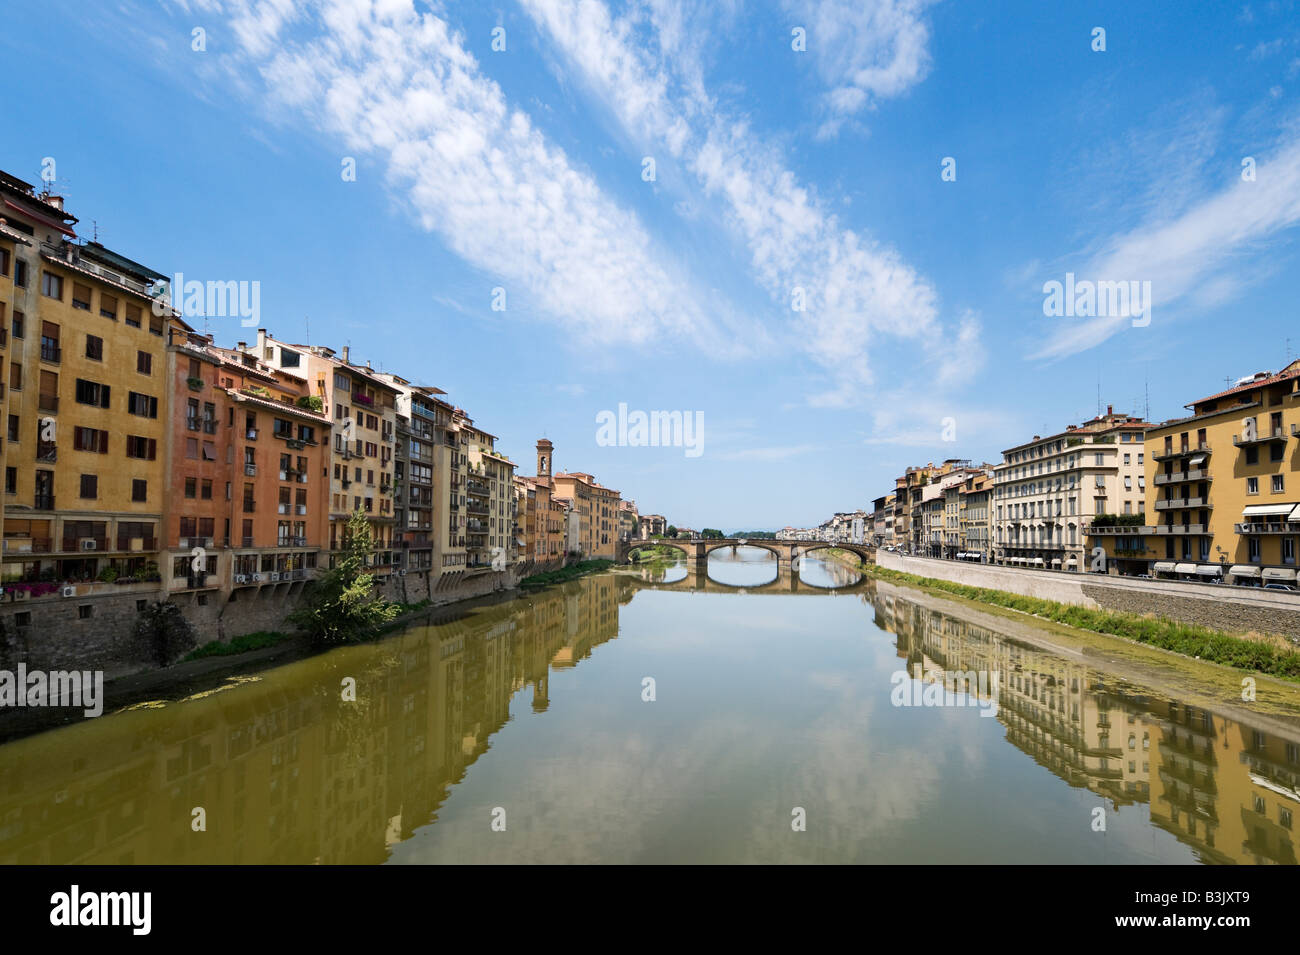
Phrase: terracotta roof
{"type": "Point", "coordinates": [280, 406]}
{"type": "Point", "coordinates": [1286, 374]}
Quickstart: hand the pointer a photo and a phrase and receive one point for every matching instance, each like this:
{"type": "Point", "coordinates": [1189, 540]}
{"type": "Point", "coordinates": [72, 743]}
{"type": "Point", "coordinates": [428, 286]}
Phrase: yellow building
{"type": "Point", "coordinates": [86, 397]}
{"type": "Point", "coordinates": [595, 508]}
{"type": "Point", "coordinates": [1227, 496]}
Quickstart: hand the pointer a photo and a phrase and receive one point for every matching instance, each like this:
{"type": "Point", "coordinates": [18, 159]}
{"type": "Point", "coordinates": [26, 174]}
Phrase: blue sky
{"type": "Point", "coordinates": [776, 170]}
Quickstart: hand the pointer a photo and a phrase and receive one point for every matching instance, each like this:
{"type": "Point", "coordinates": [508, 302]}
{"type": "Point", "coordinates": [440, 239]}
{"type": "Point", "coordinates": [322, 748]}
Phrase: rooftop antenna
{"type": "Point", "coordinates": [1098, 389]}
{"type": "Point", "coordinates": [95, 223]}
{"type": "Point", "coordinates": [307, 339]}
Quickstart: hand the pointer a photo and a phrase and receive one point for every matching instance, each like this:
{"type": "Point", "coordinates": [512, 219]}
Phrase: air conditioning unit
{"type": "Point", "coordinates": [241, 578]}
{"type": "Point", "coordinates": [69, 591]}
{"type": "Point", "coordinates": [89, 543]}
{"type": "Point", "coordinates": [258, 578]}
{"type": "Point", "coordinates": [275, 578]}
{"type": "Point", "coordinates": [22, 595]}
{"type": "Point", "coordinates": [401, 573]}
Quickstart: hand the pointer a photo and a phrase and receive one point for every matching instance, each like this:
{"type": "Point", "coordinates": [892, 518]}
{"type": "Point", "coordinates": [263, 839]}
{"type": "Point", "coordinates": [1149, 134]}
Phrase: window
{"type": "Point", "coordinates": [11, 480]}
{"type": "Point", "coordinates": [107, 306]}
{"type": "Point", "coordinates": [139, 490]}
{"type": "Point", "coordinates": [84, 611]}
{"type": "Point", "coordinates": [1275, 451]}
{"type": "Point", "coordinates": [19, 325]}
{"type": "Point", "coordinates": [13, 427]}
{"type": "Point", "coordinates": [90, 439]}
{"type": "Point", "coordinates": [144, 362]}
{"type": "Point", "coordinates": [209, 451]}
{"type": "Point", "coordinates": [133, 316]}
{"type": "Point", "coordinates": [80, 296]}
{"type": "Point", "coordinates": [1278, 484]}
{"type": "Point", "coordinates": [1252, 455]}
{"type": "Point", "coordinates": [146, 406]}
{"type": "Point", "coordinates": [51, 285]}
{"type": "Point", "coordinates": [92, 393]}
{"type": "Point", "coordinates": [20, 273]}
{"type": "Point", "coordinates": [191, 487]}
{"type": "Point", "coordinates": [1253, 543]}
{"type": "Point", "coordinates": [192, 448]}
{"type": "Point", "coordinates": [139, 447]}
{"type": "Point", "coordinates": [89, 486]}
{"type": "Point", "coordinates": [15, 376]}
{"type": "Point", "coordinates": [205, 489]}
{"type": "Point", "coordinates": [94, 348]}
{"type": "Point", "coordinates": [4, 261]}
{"type": "Point", "coordinates": [1252, 485]}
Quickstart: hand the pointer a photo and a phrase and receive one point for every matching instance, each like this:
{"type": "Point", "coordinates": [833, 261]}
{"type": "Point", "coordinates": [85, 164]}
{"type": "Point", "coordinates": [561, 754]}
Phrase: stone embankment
{"type": "Point", "coordinates": [1220, 606]}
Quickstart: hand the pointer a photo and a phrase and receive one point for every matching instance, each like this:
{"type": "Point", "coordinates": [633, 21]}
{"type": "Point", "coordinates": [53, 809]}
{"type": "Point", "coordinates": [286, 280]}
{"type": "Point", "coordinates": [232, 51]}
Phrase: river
{"type": "Point", "coordinates": [664, 716]}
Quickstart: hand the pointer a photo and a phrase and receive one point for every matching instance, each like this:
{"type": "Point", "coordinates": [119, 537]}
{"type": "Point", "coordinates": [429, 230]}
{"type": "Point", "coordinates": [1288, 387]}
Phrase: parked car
{"type": "Point", "coordinates": [1286, 587]}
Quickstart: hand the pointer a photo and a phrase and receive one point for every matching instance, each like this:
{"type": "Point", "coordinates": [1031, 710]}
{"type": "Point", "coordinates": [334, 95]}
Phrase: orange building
{"type": "Point", "coordinates": [246, 471]}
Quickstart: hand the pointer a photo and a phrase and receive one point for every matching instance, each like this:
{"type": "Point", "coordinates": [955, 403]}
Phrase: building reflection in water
{"type": "Point", "coordinates": [286, 771]}
{"type": "Point", "coordinates": [1228, 790]}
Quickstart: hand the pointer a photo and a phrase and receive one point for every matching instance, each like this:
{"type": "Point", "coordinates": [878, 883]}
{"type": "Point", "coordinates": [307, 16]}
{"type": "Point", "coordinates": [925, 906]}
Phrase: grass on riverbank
{"type": "Point", "coordinates": [572, 572]}
{"type": "Point", "coordinates": [241, 644]}
{"type": "Point", "coordinates": [1280, 659]}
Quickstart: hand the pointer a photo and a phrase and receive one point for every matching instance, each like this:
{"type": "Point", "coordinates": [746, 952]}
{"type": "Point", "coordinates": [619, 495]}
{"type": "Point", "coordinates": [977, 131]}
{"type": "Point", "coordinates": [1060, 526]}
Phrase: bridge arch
{"type": "Point", "coordinates": [684, 546]}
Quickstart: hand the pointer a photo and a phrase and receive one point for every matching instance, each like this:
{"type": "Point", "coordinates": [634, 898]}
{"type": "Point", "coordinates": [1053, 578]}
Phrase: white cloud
{"type": "Point", "coordinates": [864, 50]}
{"type": "Point", "coordinates": [401, 87]}
{"type": "Point", "coordinates": [1194, 259]}
{"type": "Point", "coordinates": [857, 288]}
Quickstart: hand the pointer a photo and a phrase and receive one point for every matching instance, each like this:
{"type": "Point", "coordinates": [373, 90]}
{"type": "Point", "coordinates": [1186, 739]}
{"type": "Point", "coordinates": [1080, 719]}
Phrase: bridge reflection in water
{"type": "Point", "coordinates": [289, 773]}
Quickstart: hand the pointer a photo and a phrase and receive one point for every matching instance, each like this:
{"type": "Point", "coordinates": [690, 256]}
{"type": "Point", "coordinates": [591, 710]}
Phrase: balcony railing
{"type": "Point", "coordinates": [43, 502]}
{"type": "Point", "coordinates": [128, 543]}
{"type": "Point", "coordinates": [1267, 527]}
{"type": "Point", "coordinates": [51, 353]}
{"type": "Point", "coordinates": [1201, 448]}
{"type": "Point", "coordinates": [1178, 504]}
{"type": "Point", "coordinates": [1276, 434]}
{"type": "Point", "coordinates": [1136, 530]}
{"type": "Point", "coordinates": [196, 542]}
{"type": "Point", "coordinates": [1174, 529]}
{"type": "Point", "coordinates": [85, 543]}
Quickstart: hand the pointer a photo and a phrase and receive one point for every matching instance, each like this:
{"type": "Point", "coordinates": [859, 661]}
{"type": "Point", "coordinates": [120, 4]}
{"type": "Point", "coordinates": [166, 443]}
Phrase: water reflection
{"type": "Point", "coordinates": [1230, 791]}
{"type": "Point", "coordinates": [742, 566]}
{"type": "Point", "coordinates": [766, 701]}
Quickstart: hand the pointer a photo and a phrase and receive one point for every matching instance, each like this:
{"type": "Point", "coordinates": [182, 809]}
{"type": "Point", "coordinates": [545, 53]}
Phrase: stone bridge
{"type": "Point", "coordinates": [787, 581]}
{"type": "Point", "coordinates": [697, 551]}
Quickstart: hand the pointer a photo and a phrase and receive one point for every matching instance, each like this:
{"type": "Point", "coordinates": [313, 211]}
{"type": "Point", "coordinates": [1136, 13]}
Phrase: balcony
{"type": "Point", "coordinates": [1267, 527]}
{"type": "Point", "coordinates": [43, 502]}
{"type": "Point", "coordinates": [476, 508]}
{"type": "Point", "coordinates": [48, 403]}
{"type": "Point", "coordinates": [1276, 434]}
{"type": "Point", "coordinates": [250, 434]}
{"type": "Point", "coordinates": [1180, 503]}
{"type": "Point", "coordinates": [1123, 530]}
{"type": "Point", "coordinates": [203, 542]}
{"type": "Point", "coordinates": [1166, 530]}
{"type": "Point", "coordinates": [250, 505]}
{"type": "Point", "coordinates": [250, 470]}
{"type": "Point", "coordinates": [209, 426]}
{"type": "Point", "coordinates": [1202, 448]}
{"type": "Point", "coordinates": [137, 543]}
{"type": "Point", "coordinates": [192, 424]}
{"type": "Point", "coordinates": [51, 353]}
{"type": "Point", "coordinates": [47, 453]}
{"type": "Point", "coordinates": [71, 544]}
{"type": "Point", "coordinates": [246, 542]}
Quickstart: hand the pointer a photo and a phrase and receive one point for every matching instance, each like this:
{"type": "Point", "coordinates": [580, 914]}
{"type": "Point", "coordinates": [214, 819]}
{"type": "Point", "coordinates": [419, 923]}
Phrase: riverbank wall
{"type": "Point", "coordinates": [1231, 609]}
{"type": "Point", "coordinates": [94, 627]}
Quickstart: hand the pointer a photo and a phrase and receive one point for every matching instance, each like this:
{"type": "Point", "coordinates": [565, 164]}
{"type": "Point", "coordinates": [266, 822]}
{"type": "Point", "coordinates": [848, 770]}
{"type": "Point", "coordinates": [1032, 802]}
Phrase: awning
{"type": "Point", "coordinates": [1294, 515]}
{"type": "Point", "coordinates": [1278, 573]}
{"type": "Point", "coordinates": [1072, 560]}
{"type": "Point", "coordinates": [44, 220]}
{"type": "Point", "coordinates": [1244, 570]}
{"type": "Point", "coordinates": [1196, 461]}
{"type": "Point", "coordinates": [1268, 510]}
{"type": "Point", "coordinates": [1056, 560]}
{"type": "Point", "coordinates": [1184, 568]}
{"type": "Point", "coordinates": [1164, 567]}
{"type": "Point", "coordinates": [1209, 570]}
{"type": "Point", "coordinates": [1038, 562]}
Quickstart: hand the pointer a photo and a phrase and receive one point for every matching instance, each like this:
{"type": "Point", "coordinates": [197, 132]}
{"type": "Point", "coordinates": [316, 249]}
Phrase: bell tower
{"type": "Point", "coordinates": [544, 458]}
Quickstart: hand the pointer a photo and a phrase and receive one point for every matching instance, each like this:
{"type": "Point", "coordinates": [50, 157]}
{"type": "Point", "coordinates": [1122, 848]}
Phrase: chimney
{"type": "Point", "coordinates": [241, 346]}
{"type": "Point", "coordinates": [346, 349]}
{"type": "Point", "coordinates": [261, 342]}
{"type": "Point", "coordinates": [1110, 409]}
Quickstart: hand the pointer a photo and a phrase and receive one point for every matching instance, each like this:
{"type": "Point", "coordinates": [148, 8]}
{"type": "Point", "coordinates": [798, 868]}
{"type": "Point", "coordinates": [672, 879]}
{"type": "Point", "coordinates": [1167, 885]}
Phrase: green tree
{"type": "Point", "coordinates": [672, 531]}
{"type": "Point", "coordinates": [341, 605]}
